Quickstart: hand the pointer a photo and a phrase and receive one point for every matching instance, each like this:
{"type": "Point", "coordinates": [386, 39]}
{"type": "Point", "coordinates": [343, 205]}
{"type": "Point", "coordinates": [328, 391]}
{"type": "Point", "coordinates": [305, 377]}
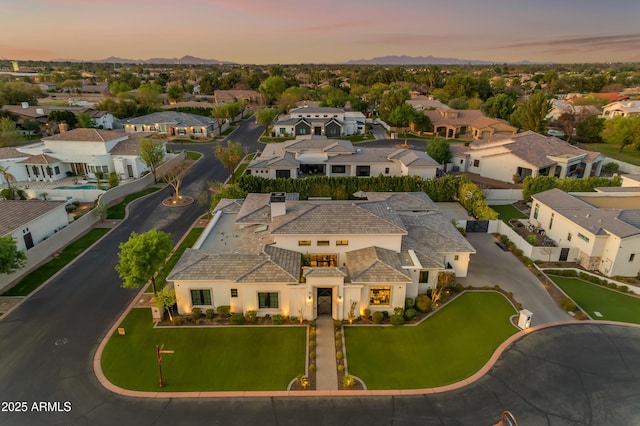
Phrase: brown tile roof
{"type": "Point", "coordinates": [40, 159]}
{"type": "Point", "coordinates": [17, 213]}
{"type": "Point", "coordinates": [86, 135]}
{"type": "Point", "coordinates": [375, 264]}
{"type": "Point", "coordinates": [11, 152]}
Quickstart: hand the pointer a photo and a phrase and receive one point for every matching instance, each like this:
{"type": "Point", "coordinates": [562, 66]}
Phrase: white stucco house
{"type": "Point", "coordinates": [525, 154]}
{"type": "Point", "coordinates": [77, 152]}
{"type": "Point", "coordinates": [275, 254]}
{"type": "Point", "coordinates": [621, 109]}
{"type": "Point", "coordinates": [32, 221]}
{"type": "Point", "coordinates": [598, 230]}
{"type": "Point", "coordinates": [320, 121]}
{"type": "Point", "coordinates": [319, 156]}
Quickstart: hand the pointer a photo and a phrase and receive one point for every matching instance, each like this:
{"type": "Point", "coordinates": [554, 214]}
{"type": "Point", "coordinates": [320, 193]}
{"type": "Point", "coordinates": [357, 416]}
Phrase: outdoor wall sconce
{"type": "Point", "coordinates": [309, 298]}
{"type": "Point", "coordinates": [339, 299]}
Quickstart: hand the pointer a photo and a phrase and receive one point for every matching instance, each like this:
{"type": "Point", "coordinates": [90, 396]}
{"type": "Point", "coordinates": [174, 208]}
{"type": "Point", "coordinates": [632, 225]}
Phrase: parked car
{"type": "Point", "coordinates": [555, 132]}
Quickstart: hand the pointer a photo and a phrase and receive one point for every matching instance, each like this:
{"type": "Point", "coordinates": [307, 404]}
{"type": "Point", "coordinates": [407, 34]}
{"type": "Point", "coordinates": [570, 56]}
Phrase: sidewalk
{"type": "Point", "coordinates": [326, 369]}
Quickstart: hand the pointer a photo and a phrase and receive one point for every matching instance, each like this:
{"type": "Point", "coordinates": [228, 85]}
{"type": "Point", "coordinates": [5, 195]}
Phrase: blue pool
{"type": "Point", "coordinates": [80, 187]}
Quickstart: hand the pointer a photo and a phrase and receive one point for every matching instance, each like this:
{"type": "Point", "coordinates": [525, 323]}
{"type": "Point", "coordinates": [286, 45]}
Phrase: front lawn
{"type": "Point", "coordinates": [448, 347]}
{"type": "Point", "coordinates": [508, 212]}
{"type": "Point", "coordinates": [611, 305]}
{"type": "Point", "coordinates": [38, 276]}
{"type": "Point", "coordinates": [204, 359]}
{"type": "Point", "coordinates": [628, 155]}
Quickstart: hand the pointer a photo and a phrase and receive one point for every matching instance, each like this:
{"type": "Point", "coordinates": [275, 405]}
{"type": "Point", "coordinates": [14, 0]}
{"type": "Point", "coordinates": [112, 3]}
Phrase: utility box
{"type": "Point", "coordinates": [524, 321]}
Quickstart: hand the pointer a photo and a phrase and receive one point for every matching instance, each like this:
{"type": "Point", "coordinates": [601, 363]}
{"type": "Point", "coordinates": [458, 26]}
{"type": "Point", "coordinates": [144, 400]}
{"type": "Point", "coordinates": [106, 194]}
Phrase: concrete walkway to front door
{"type": "Point", "coordinates": [326, 369]}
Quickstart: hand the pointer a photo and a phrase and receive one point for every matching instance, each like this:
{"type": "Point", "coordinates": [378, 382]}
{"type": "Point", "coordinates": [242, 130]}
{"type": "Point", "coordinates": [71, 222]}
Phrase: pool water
{"type": "Point", "coordinates": [80, 187]}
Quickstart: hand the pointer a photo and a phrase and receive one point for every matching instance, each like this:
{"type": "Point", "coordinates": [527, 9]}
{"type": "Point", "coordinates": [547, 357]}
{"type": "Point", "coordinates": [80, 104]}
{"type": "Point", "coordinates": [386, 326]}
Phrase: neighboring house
{"type": "Point", "coordinates": [242, 96]}
{"type": "Point", "coordinates": [325, 121]}
{"type": "Point", "coordinates": [525, 154]}
{"type": "Point", "coordinates": [173, 123]}
{"type": "Point", "coordinates": [559, 107]}
{"type": "Point", "coordinates": [78, 152]}
{"type": "Point", "coordinates": [32, 221]}
{"type": "Point", "coordinates": [598, 230]}
{"type": "Point", "coordinates": [317, 155]}
{"type": "Point", "coordinates": [420, 103]}
{"type": "Point", "coordinates": [471, 123]}
{"type": "Point", "coordinates": [274, 254]}
{"type": "Point", "coordinates": [621, 109]}
{"type": "Point", "coordinates": [102, 119]}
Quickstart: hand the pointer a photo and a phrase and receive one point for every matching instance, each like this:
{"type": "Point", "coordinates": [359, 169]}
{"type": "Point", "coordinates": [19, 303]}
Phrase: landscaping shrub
{"type": "Point", "coordinates": [251, 317]}
{"type": "Point", "coordinates": [531, 239]}
{"type": "Point", "coordinates": [312, 343]}
{"type": "Point", "coordinates": [504, 239]}
{"type": "Point", "coordinates": [337, 324]}
{"type": "Point", "coordinates": [458, 287]}
{"type": "Point", "coordinates": [312, 324]}
{"type": "Point", "coordinates": [397, 319]}
{"type": "Point", "coordinates": [366, 313]}
{"type": "Point", "coordinates": [410, 314]}
{"type": "Point", "coordinates": [398, 311]}
{"type": "Point", "coordinates": [237, 319]}
{"type": "Point", "coordinates": [580, 316]}
{"type": "Point", "coordinates": [293, 319]}
{"type": "Point", "coordinates": [312, 355]}
{"type": "Point", "coordinates": [341, 368]}
{"type": "Point", "coordinates": [209, 313]}
{"type": "Point", "coordinates": [338, 343]}
{"type": "Point", "coordinates": [196, 313]}
{"type": "Point", "coordinates": [409, 303]}
{"type": "Point", "coordinates": [276, 319]}
{"type": "Point", "coordinates": [378, 317]}
{"type": "Point", "coordinates": [567, 304]}
{"type": "Point", "coordinates": [339, 355]}
{"type": "Point", "coordinates": [312, 368]}
{"type": "Point", "coordinates": [348, 381]}
{"type": "Point", "coordinates": [224, 311]}
{"type": "Point", "coordinates": [527, 261]}
{"type": "Point", "coordinates": [338, 335]}
{"type": "Point", "coordinates": [385, 315]}
{"type": "Point", "coordinates": [423, 303]}
{"type": "Point", "coordinates": [178, 321]}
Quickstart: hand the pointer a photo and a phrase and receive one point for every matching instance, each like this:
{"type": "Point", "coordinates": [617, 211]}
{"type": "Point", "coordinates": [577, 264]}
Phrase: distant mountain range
{"type": "Point", "coordinates": [187, 60]}
{"type": "Point", "coordinates": [421, 60]}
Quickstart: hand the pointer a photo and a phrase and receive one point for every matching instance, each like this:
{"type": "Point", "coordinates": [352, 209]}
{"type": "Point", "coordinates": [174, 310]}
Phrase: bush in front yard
{"type": "Point", "coordinates": [567, 304]}
{"type": "Point", "coordinates": [196, 313]}
{"type": "Point", "coordinates": [397, 319]}
{"type": "Point", "coordinates": [378, 317]}
{"type": "Point", "coordinates": [209, 313]}
{"type": "Point", "coordinates": [224, 311]}
{"type": "Point", "coordinates": [237, 319]}
{"type": "Point", "coordinates": [251, 317]}
{"type": "Point", "coordinates": [409, 303]}
{"type": "Point", "coordinates": [410, 314]}
{"type": "Point", "coordinates": [276, 319]}
{"type": "Point", "coordinates": [423, 303]}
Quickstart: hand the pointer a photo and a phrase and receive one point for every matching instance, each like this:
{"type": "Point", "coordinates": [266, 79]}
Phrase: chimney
{"type": "Point", "coordinates": [278, 204]}
{"type": "Point", "coordinates": [63, 127]}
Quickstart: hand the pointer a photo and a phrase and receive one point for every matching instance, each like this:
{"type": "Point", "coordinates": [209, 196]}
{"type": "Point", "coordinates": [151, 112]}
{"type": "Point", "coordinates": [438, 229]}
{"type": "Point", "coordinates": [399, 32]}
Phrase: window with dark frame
{"type": "Point", "coordinates": [234, 292]}
{"type": "Point", "coordinates": [200, 297]}
{"type": "Point", "coordinates": [268, 300]}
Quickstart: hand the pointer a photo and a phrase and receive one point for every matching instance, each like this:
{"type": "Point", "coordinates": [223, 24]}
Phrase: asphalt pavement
{"type": "Point", "coordinates": [579, 374]}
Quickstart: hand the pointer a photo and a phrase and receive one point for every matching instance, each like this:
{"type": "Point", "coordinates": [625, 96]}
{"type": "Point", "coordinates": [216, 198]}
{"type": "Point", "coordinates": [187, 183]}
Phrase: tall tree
{"type": "Point", "coordinates": [273, 87]}
{"type": "Point", "coordinates": [152, 153]}
{"type": "Point", "coordinates": [265, 116]}
{"type": "Point", "coordinates": [174, 177]}
{"type": "Point", "coordinates": [499, 106]}
{"type": "Point", "coordinates": [229, 156]}
{"type": "Point", "coordinates": [401, 116]}
{"type": "Point", "coordinates": [568, 122]}
{"type": "Point", "coordinates": [590, 127]}
{"type": "Point", "coordinates": [11, 259]}
{"type": "Point", "coordinates": [530, 115]}
{"type": "Point", "coordinates": [220, 113]}
{"type": "Point", "coordinates": [391, 100]}
{"type": "Point", "coordinates": [85, 121]}
{"type": "Point", "coordinates": [175, 93]}
{"type": "Point", "coordinates": [10, 192]}
{"type": "Point", "coordinates": [439, 150]}
{"type": "Point", "coordinates": [622, 131]}
{"type": "Point", "coordinates": [166, 299]}
{"type": "Point", "coordinates": [63, 116]}
{"type": "Point", "coordinates": [8, 132]}
{"type": "Point", "coordinates": [142, 256]}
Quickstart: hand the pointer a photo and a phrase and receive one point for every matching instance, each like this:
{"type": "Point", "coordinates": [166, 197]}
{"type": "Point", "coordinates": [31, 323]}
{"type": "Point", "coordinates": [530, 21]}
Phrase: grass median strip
{"type": "Point", "coordinates": [612, 305]}
{"type": "Point", "coordinates": [118, 211]}
{"type": "Point", "coordinates": [38, 276]}
{"type": "Point", "coordinates": [205, 359]}
{"type": "Point", "coordinates": [448, 347]}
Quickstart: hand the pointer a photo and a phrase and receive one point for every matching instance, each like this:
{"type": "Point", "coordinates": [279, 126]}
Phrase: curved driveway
{"type": "Point", "coordinates": [582, 374]}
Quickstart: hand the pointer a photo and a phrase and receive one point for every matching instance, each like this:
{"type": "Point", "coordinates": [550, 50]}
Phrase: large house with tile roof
{"type": "Point", "coordinates": [453, 123]}
{"type": "Point", "coordinates": [276, 254]}
{"type": "Point", "coordinates": [173, 123]}
{"type": "Point", "coordinates": [526, 154]}
{"type": "Point", "coordinates": [77, 152]}
{"type": "Point", "coordinates": [320, 121]}
{"type": "Point", "coordinates": [319, 156]}
{"type": "Point", "coordinates": [598, 230]}
{"type": "Point", "coordinates": [40, 114]}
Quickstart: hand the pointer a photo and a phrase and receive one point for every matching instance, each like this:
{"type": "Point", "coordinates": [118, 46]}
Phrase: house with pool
{"type": "Point", "coordinates": [276, 254]}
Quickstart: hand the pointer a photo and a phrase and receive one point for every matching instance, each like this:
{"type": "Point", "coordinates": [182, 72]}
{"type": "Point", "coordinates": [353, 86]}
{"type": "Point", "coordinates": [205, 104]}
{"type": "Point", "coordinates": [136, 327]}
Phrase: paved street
{"type": "Point", "coordinates": [581, 374]}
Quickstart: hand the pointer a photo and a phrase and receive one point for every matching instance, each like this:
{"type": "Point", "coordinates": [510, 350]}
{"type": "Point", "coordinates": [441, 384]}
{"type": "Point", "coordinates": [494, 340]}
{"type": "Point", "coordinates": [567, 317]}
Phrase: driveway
{"type": "Point", "coordinates": [492, 266]}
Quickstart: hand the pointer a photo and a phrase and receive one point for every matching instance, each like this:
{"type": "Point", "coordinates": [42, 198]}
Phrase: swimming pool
{"type": "Point", "coordinates": [80, 187]}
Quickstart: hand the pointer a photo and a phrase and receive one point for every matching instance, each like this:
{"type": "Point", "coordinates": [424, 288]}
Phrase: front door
{"type": "Point", "coordinates": [130, 170]}
{"type": "Point", "coordinates": [564, 254]}
{"type": "Point", "coordinates": [28, 240]}
{"type": "Point", "coordinates": [317, 130]}
{"type": "Point", "coordinates": [324, 301]}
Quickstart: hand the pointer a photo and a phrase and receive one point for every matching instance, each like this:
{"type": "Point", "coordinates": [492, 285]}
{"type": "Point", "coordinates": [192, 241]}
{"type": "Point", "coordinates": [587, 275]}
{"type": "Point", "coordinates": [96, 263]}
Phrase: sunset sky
{"type": "Point", "coordinates": [288, 31]}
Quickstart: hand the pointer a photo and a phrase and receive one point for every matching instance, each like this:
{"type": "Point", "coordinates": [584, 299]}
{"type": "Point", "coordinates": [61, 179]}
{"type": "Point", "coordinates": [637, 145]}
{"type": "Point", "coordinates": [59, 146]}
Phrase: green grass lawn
{"type": "Point", "coordinates": [193, 155]}
{"type": "Point", "coordinates": [189, 241]}
{"type": "Point", "coordinates": [38, 276]}
{"type": "Point", "coordinates": [508, 212]}
{"type": "Point", "coordinates": [118, 211]}
{"type": "Point", "coordinates": [204, 359]}
{"type": "Point", "coordinates": [448, 347]}
{"type": "Point", "coordinates": [591, 298]}
{"type": "Point", "coordinates": [628, 155]}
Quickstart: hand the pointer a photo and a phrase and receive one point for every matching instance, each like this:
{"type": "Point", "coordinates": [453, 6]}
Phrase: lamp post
{"type": "Point", "coordinates": [159, 352]}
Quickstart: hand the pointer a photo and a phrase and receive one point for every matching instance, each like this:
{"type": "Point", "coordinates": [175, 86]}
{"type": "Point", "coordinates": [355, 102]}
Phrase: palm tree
{"type": "Point", "coordinates": [8, 177]}
{"type": "Point", "coordinates": [10, 193]}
